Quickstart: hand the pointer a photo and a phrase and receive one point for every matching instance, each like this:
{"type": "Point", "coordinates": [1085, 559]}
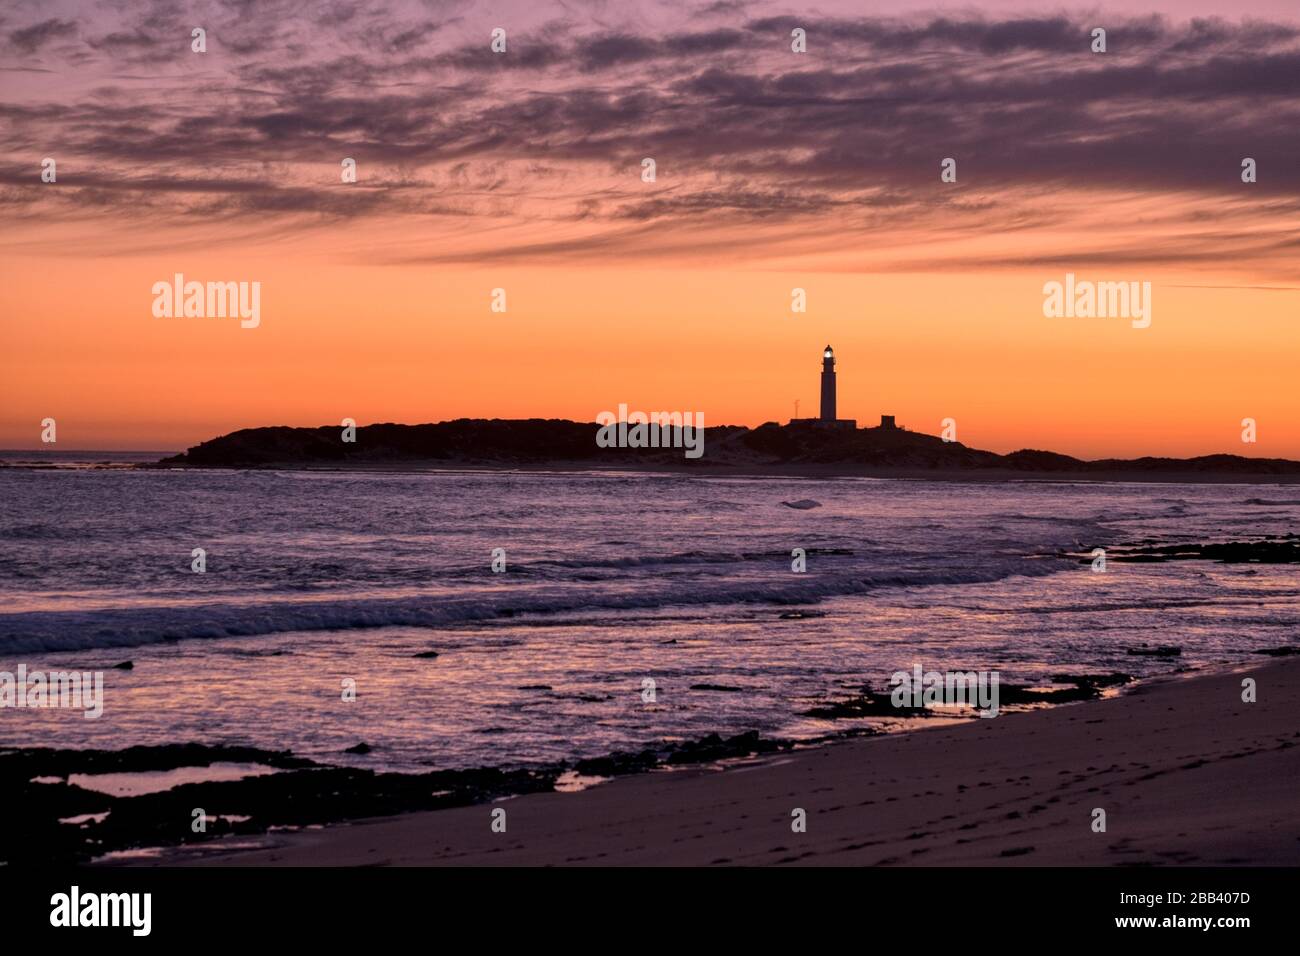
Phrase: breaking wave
{"type": "Point", "coordinates": [141, 624]}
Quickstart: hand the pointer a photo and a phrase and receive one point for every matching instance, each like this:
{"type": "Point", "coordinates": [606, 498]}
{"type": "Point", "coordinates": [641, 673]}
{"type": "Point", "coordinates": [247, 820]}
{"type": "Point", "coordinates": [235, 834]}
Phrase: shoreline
{"type": "Point", "coordinates": [779, 472]}
{"type": "Point", "coordinates": [978, 476]}
{"type": "Point", "coordinates": [702, 468]}
{"type": "Point", "coordinates": [1187, 773]}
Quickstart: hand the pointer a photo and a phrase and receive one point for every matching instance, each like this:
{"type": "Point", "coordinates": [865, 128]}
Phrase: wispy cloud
{"type": "Point", "coordinates": [845, 139]}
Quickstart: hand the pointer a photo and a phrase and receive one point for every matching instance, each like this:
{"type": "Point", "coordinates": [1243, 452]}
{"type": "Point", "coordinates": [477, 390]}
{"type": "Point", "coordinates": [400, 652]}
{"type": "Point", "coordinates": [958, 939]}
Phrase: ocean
{"type": "Point", "coordinates": [611, 581]}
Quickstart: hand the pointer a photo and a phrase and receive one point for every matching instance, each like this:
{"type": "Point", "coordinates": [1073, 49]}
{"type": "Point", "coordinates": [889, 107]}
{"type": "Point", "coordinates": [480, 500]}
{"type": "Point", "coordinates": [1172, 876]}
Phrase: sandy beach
{"type": "Point", "coordinates": [1186, 772]}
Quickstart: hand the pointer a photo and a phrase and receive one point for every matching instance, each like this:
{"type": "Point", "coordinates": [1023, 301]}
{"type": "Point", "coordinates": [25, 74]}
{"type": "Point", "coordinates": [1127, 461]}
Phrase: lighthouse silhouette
{"type": "Point", "coordinates": [830, 411]}
{"type": "Point", "coordinates": [828, 385]}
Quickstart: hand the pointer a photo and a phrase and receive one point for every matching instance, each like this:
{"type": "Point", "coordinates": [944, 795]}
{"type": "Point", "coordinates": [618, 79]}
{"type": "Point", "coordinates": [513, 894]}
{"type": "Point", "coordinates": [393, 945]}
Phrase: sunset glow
{"type": "Point", "coordinates": [774, 172]}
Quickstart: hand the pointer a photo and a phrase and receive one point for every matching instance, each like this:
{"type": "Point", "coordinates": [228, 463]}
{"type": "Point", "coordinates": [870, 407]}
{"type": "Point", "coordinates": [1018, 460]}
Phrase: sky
{"type": "Point", "coordinates": [774, 170]}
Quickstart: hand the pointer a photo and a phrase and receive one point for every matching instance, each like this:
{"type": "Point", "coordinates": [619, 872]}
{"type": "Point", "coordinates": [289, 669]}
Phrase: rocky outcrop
{"type": "Point", "coordinates": [801, 447]}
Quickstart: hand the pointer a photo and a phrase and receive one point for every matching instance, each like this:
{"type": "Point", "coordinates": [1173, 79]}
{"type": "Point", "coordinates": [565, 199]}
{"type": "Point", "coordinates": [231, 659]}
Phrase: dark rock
{"type": "Point", "coordinates": [510, 443]}
{"type": "Point", "coordinates": [309, 794]}
{"type": "Point", "coordinates": [872, 704]}
{"type": "Point", "coordinates": [713, 747]}
{"type": "Point", "coordinates": [617, 764]}
{"type": "Point", "coordinates": [1272, 549]}
{"type": "Point", "coordinates": [304, 793]}
{"type": "Point", "coordinates": [1094, 680]}
{"type": "Point", "coordinates": [867, 704]}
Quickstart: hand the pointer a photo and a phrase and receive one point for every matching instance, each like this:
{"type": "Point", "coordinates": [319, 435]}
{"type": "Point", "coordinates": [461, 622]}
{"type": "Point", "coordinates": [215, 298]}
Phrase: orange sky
{"type": "Point", "coordinates": [418, 343]}
{"type": "Point", "coordinates": [524, 174]}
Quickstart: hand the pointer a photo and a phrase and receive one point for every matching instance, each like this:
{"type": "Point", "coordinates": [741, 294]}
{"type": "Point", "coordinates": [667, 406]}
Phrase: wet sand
{"type": "Point", "coordinates": [1186, 772]}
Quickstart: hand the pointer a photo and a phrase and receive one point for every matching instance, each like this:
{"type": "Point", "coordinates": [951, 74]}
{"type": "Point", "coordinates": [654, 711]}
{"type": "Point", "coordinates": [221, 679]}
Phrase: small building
{"type": "Point", "coordinates": [887, 421]}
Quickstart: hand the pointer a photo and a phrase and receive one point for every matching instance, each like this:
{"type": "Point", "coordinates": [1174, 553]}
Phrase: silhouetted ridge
{"type": "Point", "coordinates": [538, 441]}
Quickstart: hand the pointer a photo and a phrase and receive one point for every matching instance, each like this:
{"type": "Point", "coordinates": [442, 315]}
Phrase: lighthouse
{"type": "Point", "coordinates": [828, 385]}
{"type": "Point", "coordinates": [829, 411]}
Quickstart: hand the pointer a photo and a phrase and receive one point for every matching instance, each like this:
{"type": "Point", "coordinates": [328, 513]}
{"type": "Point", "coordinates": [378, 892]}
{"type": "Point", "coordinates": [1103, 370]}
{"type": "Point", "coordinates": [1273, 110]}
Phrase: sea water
{"type": "Point", "coordinates": [317, 579]}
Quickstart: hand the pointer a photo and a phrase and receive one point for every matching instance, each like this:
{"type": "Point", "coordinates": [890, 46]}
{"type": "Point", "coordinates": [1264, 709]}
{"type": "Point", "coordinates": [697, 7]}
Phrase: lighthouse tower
{"type": "Point", "coordinates": [829, 415]}
{"type": "Point", "coordinates": [828, 385]}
